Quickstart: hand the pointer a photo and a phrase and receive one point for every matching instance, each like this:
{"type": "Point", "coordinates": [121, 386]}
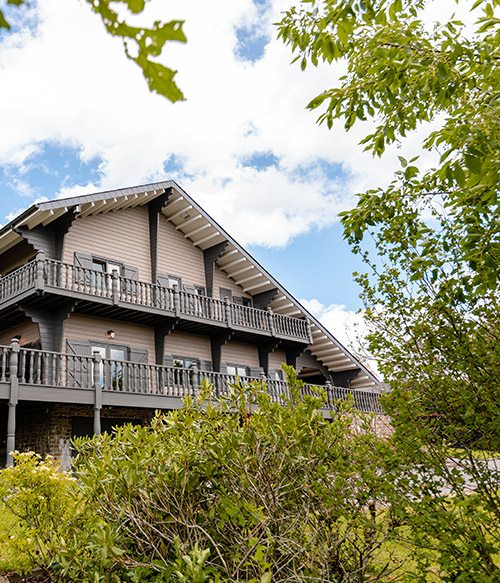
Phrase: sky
{"type": "Point", "coordinates": [77, 117]}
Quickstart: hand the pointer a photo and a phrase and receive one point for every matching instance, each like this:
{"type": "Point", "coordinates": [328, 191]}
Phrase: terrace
{"type": "Point", "coordinates": [123, 298]}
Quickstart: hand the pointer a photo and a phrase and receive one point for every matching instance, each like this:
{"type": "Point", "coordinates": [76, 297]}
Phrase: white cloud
{"type": "Point", "coordinates": [347, 326]}
{"type": "Point", "coordinates": [72, 84]}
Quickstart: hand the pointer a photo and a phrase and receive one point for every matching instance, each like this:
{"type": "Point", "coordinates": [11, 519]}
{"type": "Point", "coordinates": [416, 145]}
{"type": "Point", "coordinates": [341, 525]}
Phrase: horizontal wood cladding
{"type": "Point", "coordinates": [122, 236]}
{"type": "Point", "coordinates": [240, 353]}
{"type": "Point", "coordinates": [178, 256]}
{"type": "Point", "coordinates": [276, 359]}
{"type": "Point", "coordinates": [28, 331]}
{"type": "Point", "coordinates": [16, 256]}
{"type": "Point", "coordinates": [80, 327]}
{"type": "Point", "coordinates": [184, 344]}
{"type": "Point", "coordinates": [221, 279]}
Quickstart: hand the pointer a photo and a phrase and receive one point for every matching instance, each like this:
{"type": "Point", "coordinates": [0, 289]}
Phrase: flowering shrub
{"type": "Point", "coordinates": [42, 507]}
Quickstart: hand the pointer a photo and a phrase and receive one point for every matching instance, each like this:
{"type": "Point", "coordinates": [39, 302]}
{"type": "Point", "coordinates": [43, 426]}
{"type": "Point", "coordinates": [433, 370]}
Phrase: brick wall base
{"type": "Point", "coordinates": [48, 428]}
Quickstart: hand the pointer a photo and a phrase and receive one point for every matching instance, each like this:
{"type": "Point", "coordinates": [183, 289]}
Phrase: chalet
{"type": "Point", "coordinates": [115, 304]}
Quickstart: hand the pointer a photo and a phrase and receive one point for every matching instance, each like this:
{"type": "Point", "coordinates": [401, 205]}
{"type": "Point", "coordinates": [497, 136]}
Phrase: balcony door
{"type": "Point", "coordinates": [111, 374]}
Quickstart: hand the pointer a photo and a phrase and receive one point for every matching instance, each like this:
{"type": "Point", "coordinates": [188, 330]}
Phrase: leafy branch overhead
{"type": "Point", "coordinates": [142, 44]}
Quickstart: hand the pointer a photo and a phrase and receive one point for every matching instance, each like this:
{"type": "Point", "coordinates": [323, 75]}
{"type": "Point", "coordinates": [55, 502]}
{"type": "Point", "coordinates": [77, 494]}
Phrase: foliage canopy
{"type": "Point", "coordinates": [432, 293]}
{"type": "Point", "coordinates": [142, 44]}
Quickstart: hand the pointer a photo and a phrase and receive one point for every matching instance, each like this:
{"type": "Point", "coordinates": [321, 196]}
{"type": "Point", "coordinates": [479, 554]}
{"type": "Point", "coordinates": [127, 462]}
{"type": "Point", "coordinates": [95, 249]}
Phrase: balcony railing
{"type": "Point", "coordinates": [66, 371]}
{"type": "Point", "coordinates": [44, 273]}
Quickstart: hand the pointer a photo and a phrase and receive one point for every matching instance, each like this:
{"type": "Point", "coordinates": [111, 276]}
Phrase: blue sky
{"type": "Point", "coordinates": [77, 117]}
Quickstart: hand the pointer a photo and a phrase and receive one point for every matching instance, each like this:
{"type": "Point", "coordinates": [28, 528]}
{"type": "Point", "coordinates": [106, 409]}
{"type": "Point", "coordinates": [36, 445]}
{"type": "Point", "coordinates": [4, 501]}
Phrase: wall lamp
{"type": "Point", "coordinates": [111, 334]}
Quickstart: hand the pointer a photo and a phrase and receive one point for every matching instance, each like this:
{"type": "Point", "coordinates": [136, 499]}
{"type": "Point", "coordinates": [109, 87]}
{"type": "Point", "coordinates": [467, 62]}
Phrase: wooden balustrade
{"type": "Point", "coordinates": [55, 369]}
{"type": "Point", "coordinates": [42, 272]}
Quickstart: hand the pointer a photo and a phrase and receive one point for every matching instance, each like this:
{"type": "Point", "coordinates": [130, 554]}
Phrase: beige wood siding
{"type": "Point", "coordinates": [221, 279]}
{"type": "Point", "coordinates": [240, 353]}
{"type": "Point", "coordinates": [121, 236]}
{"type": "Point", "coordinates": [276, 359]}
{"type": "Point", "coordinates": [28, 331]}
{"type": "Point", "coordinates": [184, 344]}
{"type": "Point", "coordinates": [80, 327]}
{"type": "Point", "coordinates": [178, 256]}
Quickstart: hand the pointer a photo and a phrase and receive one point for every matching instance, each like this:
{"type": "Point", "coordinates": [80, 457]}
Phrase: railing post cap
{"type": "Point", "coordinates": [97, 356]}
{"type": "Point", "coordinates": [40, 254]}
{"type": "Point", "coordinates": [14, 344]}
{"type": "Point", "coordinates": [227, 300]}
{"type": "Point", "coordinates": [114, 273]}
{"type": "Point", "coordinates": [269, 309]}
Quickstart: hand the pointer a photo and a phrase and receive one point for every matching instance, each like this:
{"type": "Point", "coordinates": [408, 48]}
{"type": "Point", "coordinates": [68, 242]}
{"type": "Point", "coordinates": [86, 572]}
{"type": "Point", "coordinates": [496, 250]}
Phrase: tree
{"type": "Point", "coordinates": [432, 292]}
{"type": "Point", "coordinates": [147, 43]}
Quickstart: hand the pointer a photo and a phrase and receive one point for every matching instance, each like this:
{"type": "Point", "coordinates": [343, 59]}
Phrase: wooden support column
{"type": "Point", "coordinates": [50, 323]}
{"type": "Point", "coordinates": [13, 399]}
{"type": "Point", "coordinates": [210, 256]}
{"type": "Point", "coordinates": [155, 207]}
{"type": "Point", "coordinates": [50, 239]}
{"type": "Point", "coordinates": [264, 351]}
{"type": "Point", "coordinates": [262, 300]}
{"type": "Point", "coordinates": [344, 377]}
{"type": "Point", "coordinates": [97, 392]}
{"type": "Point", "coordinates": [216, 343]}
{"type": "Point", "coordinates": [292, 353]}
{"type": "Point", "coordinates": [162, 330]}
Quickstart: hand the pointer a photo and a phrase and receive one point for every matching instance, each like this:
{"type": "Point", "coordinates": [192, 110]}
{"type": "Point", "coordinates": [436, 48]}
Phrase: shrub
{"type": "Point", "coordinates": [241, 489]}
{"type": "Point", "coordinates": [41, 504]}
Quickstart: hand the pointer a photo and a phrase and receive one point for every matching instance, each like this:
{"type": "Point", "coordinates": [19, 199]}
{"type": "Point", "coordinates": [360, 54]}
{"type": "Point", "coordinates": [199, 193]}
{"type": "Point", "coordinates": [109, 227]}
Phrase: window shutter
{"type": "Point", "coordinates": [131, 272]}
{"type": "Point", "coordinates": [162, 279]}
{"type": "Point", "coordinates": [85, 261]}
{"type": "Point", "coordinates": [206, 365]}
{"type": "Point", "coordinates": [139, 355]}
{"type": "Point", "coordinates": [256, 371]}
{"type": "Point", "coordinates": [168, 360]}
{"type": "Point", "coordinates": [79, 373]}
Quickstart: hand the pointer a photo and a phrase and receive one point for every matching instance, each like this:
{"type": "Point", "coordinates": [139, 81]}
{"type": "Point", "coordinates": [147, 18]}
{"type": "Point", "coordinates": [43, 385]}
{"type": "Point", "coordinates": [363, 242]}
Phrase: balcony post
{"type": "Point", "coordinates": [227, 308]}
{"type": "Point", "coordinates": [14, 396]}
{"type": "Point", "coordinates": [177, 301]}
{"type": "Point", "coordinates": [309, 332]}
{"type": "Point", "coordinates": [114, 286]}
{"type": "Point", "coordinates": [329, 394]}
{"type": "Point", "coordinates": [97, 392]}
{"type": "Point", "coordinates": [270, 317]}
{"type": "Point", "coordinates": [195, 380]}
{"type": "Point", "coordinates": [40, 269]}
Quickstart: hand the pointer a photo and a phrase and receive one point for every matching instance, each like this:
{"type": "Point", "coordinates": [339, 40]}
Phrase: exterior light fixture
{"type": "Point", "coordinates": [111, 334]}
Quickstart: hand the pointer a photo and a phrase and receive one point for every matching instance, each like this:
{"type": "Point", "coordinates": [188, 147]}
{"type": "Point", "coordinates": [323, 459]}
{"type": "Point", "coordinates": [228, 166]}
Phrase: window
{"type": "Point", "coordinates": [225, 293]}
{"type": "Point", "coordinates": [237, 370]}
{"type": "Point", "coordinates": [185, 361]}
{"type": "Point", "coordinates": [276, 375]}
{"type": "Point", "coordinates": [106, 268]}
{"type": "Point", "coordinates": [173, 281]}
{"type": "Point", "coordinates": [241, 301]}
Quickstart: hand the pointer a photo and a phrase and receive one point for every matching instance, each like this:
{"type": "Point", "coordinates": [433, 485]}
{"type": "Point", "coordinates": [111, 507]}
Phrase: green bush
{"type": "Point", "coordinates": [241, 489]}
{"type": "Point", "coordinates": [39, 504]}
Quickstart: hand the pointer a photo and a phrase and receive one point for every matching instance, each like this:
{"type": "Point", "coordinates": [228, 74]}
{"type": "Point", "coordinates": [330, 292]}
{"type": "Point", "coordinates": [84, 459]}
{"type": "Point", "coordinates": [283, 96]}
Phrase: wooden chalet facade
{"type": "Point", "coordinates": [115, 304]}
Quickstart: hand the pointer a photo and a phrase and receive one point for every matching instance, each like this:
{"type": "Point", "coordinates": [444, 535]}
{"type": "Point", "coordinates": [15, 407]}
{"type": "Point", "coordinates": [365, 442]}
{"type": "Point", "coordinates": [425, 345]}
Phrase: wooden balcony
{"type": "Point", "coordinates": [50, 277]}
{"type": "Point", "coordinates": [37, 375]}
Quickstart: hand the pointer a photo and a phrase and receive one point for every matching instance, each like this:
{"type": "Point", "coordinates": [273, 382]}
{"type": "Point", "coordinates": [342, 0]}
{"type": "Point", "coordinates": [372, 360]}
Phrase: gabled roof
{"type": "Point", "coordinates": [203, 231]}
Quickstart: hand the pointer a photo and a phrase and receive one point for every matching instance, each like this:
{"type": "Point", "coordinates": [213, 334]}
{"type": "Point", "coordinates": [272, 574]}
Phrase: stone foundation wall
{"type": "Point", "coordinates": [47, 428]}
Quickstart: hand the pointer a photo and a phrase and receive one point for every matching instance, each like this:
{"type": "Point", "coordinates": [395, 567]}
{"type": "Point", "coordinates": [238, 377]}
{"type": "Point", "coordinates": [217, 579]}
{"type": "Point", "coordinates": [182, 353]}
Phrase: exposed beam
{"type": "Point", "coordinates": [142, 197]}
{"type": "Point", "coordinates": [188, 221]}
{"type": "Point", "coordinates": [249, 278]}
{"type": "Point", "coordinates": [37, 219]}
{"type": "Point", "coordinates": [56, 214]}
{"type": "Point", "coordinates": [231, 263]}
{"type": "Point", "coordinates": [207, 238]}
{"type": "Point", "coordinates": [262, 284]}
{"type": "Point", "coordinates": [179, 212]}
{"type": "Point", "coordinates": [239, 271]}
{"type": "Point", "coordinates": [197, 230]}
